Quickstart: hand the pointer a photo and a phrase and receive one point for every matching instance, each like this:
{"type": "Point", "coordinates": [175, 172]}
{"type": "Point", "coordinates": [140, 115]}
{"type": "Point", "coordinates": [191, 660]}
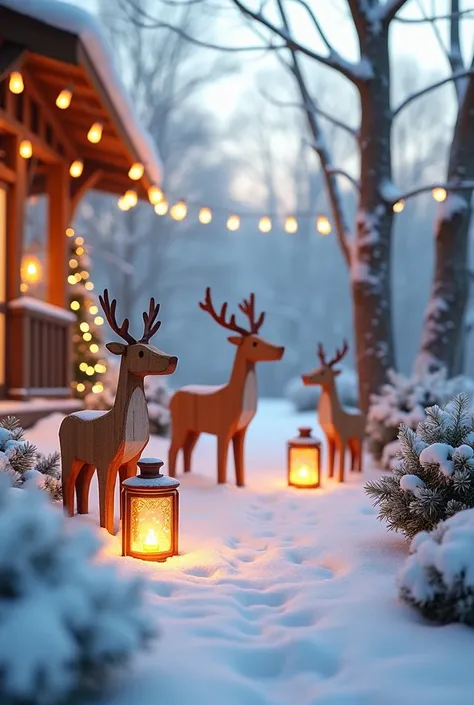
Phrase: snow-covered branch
{"type": "Point", "coordinates": [468, 14]}
{"type": "Point", "coordinates": [317, 25]}
{"type": "Point", "coordinates": [386, 13]}
{"type": "Point", "coordinates": [431, 87]}
{"type": "Point", "coordinates": [456, 186]}
{"type": "Point", "coordinates": [342, 172]}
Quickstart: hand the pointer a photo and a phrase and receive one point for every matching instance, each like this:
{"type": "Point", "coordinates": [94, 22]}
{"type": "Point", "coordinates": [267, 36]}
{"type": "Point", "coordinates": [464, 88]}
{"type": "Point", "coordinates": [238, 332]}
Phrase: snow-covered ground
{"type": "Point", "coordinates": [282, 597]}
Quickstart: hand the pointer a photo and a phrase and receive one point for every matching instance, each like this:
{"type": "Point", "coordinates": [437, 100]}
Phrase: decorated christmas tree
{"type": "Point", "coordinates": [88, 353]}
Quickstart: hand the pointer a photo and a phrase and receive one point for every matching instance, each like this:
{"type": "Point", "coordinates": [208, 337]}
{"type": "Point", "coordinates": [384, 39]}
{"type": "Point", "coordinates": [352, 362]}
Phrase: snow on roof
{"type": "Point", "coordinates": [73, 19]}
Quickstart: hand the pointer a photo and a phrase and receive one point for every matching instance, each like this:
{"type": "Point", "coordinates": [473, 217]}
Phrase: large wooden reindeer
{"type": "Point", "coordinates": [344, 429]}
{"type": "Point", "coordinates": [227, 410]}
{"type": "Point", "coordinates": [111, 441]}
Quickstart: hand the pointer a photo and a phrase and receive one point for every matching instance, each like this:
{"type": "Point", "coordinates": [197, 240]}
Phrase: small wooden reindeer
{"type": "Point", "coordinates": [112, 441]}
{"type": "Point", "coordinates": [227, 410]}
{"type": "Point", "coordinates": [343, 429]}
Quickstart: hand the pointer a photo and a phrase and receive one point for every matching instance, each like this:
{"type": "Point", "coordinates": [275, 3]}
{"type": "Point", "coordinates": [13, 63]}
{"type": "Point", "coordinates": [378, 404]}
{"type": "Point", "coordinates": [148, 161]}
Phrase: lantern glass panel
{"type": "Point", "coordinates": [151, 524]}
{"type": "Point", "coordinates": [304, 467]}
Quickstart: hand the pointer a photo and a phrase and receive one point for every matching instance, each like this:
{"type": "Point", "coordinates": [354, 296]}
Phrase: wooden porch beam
{"type": "Point", "coordinates": [7, 174]}
{"type": "Point", "coordinates": [41, 148]}
{"type": "Point", "coordinates": [12, 55]}
{"type": "Point", "coordinates": [58, 221]}
{"type": "Point", "coordinates": [17, 193]}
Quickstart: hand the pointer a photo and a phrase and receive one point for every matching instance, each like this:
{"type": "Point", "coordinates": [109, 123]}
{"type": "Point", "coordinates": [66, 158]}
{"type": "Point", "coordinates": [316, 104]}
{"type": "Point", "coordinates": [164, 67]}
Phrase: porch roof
{"type": "Point", "coordinates": [63, 47]}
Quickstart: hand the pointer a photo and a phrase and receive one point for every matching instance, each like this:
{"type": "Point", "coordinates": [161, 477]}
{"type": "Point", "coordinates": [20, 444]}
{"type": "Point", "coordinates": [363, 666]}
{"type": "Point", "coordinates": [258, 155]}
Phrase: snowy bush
{"type": "Point", "coordinates": [65, 620]}
{"type": "Point", "coordinates": [306, 398]}
{"type": "Point", "coordinates": [438, 576]}
{"type": "Point", "coordinates": [403, 401]}
{"type": "Point", "coordinates": [22, 462]}
{"type": "Point", "coordinates": [157, 392]}
{"type": "Point", "coordinates": [434, 478]}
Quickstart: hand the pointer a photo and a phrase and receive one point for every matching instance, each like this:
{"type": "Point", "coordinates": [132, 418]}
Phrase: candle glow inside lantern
{"type": "Point", "coordinates": [304, 460]}
{"type": "Point", "coordinates": [150, 513]}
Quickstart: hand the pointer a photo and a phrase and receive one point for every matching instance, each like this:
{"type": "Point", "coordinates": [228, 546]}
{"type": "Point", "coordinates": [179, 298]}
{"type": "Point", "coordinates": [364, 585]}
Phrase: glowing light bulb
{"type": "Point", "coordinates": [63, 100]}
{"type": "Point", "coordinates": [76, 168]}
{"type": "Point", "coordinates": [90, 371]}
{"type": "Point", "coordinates": [98, 388]}
{"type": "Point", "coordinates": [89, 286]}
{"type": "Point", "coordinates": [16, 84]}
{"type": "Point", "coordinates": [93, 310]}
{"type": "Point", "coordinates": [77, 277]}
{"type": "Point", "coordinates": [94, 348]}
{"type": "Point", "coordinates": [79, 241]}
{"type": "Point", "coordinates": [399, 206]}
{"type": "Point", "coordinates": [161, 208]}
{"type": "Point", "coordinates": [131, 198]}
{"type": "Point", "coordinates": [23, 287]}
{"type": "Point", "coordinates": [155, 195]}
{"type": "Point", "coordinates": [323, 225]}
{"type": "Point", "coordinates": [233, 222]}
{"type": "Point", "coordinates": [136, 171]}
{"type": "Point", "coordinates": [99, 321]}
{"type": "Point", "coordinates": [26, 149]}
{"type": "Point", "coordinates": [84, 274]}
{"type": "Point", "coordinates": [71, 279]}
{"type": "Point", "coordinates": [84, 327]}
{"type": "Point", "coordinates": [439, 194]}
{"type": "Point", "coordinates": [179, 210]}
{"type": "Point", "coordinates": [265, 224]}
{"type": "Point", "coordinates": [79, 251]}
{"type": "Point", "coordinates": [83, 366]}
{"type": "Point", "coordinates": [291, 225]}
{"type": "Point", "coordinates": [81, 387]}
{"type": "Point", "coordinates": [95, 133]}
{"type": "Point", "coordinates": [70, 232]}
{"type": "Point", "coordinates": [73, 263]}
{"type": "Point", "coordinates": [205, 215]}
{"type": "Point", "coordinates": [87, 337]}
{"type": "Point", "coordinates": [122, 204]}
{"type": "Point", "coordinates": [75, 305]}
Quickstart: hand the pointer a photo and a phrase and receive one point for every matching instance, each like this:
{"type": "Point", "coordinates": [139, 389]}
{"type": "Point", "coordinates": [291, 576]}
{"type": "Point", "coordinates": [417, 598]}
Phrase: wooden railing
{"type": "Point", "coordinates": [38, 349]}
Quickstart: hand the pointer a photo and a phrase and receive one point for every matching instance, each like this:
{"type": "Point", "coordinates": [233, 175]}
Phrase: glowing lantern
{"type": "Point", "coordinates": [155, 195]}
{"type": "Point", "coordinates": [16, 84]}
{"type": "Point", "coordinates": [439, 194]}
{"type": "Point", "coordinates": [399, 206]}
{"type": "Point", "coordinates": [63, 100]}
{"type": "Point", "coordinates": [291, 225]}
{"type": "Point", "coordinates": [76, 168]}
{"type": "Point", "coordinates": [323, 225]}
{"type": "Point", "coordinates": [136, 171]}
{"type": "Point", "coordinates": [265, 224]}
{"type": "Point", "coordinates": [150, 512]}
{"type": "Point", "coordinates": [161, 208]}
{"type": "Point", "coordinates": [304, 460]}
{"type": "Point", "coordinates": [233, 223]}
{"type": "Point", "coordinates": [205, 215]}
{"type": "Point", "coordinates": [179, 210]}
{"type": "Point", "coordinates": [31, 269]}
{"type": "Point", "coordinates": [95, 133]}
{"type": "Point", "coordinates": [26, 149]}
{"type": "Point", "coordinates": [130, 198]}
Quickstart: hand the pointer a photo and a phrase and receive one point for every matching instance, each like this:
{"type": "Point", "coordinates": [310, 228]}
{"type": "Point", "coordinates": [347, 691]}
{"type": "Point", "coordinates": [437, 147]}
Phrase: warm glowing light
{"type": "Point", "coordinates": [99, 321]}
{"type": "Point", "coordinates": [439, 194]}
{"type": "Point", "coordinates": [399, 206]}
{"type": "Point", "coordinates": [63, 100]}
{"type": "Point", "coordinates": [131, 198]}
{"type": "Point", "coordinates": [73, 263]}
{"type": "Point", "coordinates": [98, 368]}
{"type": "Point", "coordinates": [84, 274]}
{"type": "Point", "coordinates": [93, 310]}
{"type": "Point", "coordinates": [70, 232]}
{"type": "Point", "coordinates": [26, 149]}
{"type": "Point", "coordinates": [81, 387]}
{"type": "Point", "coordinates": [265, 224]}
{"type": "Point", "coordinates": [98, 388]}
{"type": "Point", "coordinates": [233, 222]}
{"type": "Point", "coordinates": [71, 279]}
{"type": "Point", "coordinates": [205, 215]}
{"type": "Point", "coordinates": [89, 286]}
{"type": "Point", "coordinates": [77, 277]}
{"type": "Point", "coordinates": [136, 171]}
{"type": "Point", "coordinates": [80, 251]}
{"type": "Point", "coordinates": [304, 460]}
{"type": "Point", "coordinates": [323, 225]}
{"type": "Point", "coordinates": [90, 371]}
{"type": "Point", "coordinates": [23, 288]}
{"type": "Point", "coordinates": [16, 84]}
{"type": "Point", "coordinates": [84, 327]}
{"type": "Point", "coordinates": [76, 168]}
{"type": "Point", "coordinates": [87, 337]}
{"type": "Point", "coordinates": [31, 270]}
{"type": "Point", "coordinates": [83, 366]}
{"type": "Point", "coordinates": [75, 305]}
{"type": "Point", "coordinates": [291, 225]}
{"type": "Point", "coordinates": [123, 204]}
{"type": "Point", "coordinates": [79, 241]}
{"type": "Point", "coordinates": [161, 208]}
{"type": "Point", "coordinates": [179, 210]}
{"type": "Point", "coordinates": [94, 348]}
{"type": "Point", "coordinates": [155, 195]}
{"type": "Point", "coordinates": [95, 133]}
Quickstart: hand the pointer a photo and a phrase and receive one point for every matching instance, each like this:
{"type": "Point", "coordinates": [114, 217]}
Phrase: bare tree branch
{"type": "Point", "coordinates": [429, 88]}
{"type": "Point", "coordinates": [386, 13]}
{"type": "Point", "coordinates": [453, 187]}
{"type": "Point", "coordinates": [435, 18]}
{"type": "Point", "coordinates": [455, 52]}
{"type": "Point", "coordinates": [317, 24]}
{"type": "Point", "coordinates": [345, 174]}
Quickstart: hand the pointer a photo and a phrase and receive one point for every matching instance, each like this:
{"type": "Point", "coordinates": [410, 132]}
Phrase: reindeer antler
{"type": "Point", "coordinates": [339, 354]}
{"type": "Point", "coordinates": [109, 310]}
{"type": "Point", "coordinates": [231, 324]}
{"type": "Point", "coordinates": [248, 308]}
{"type": "Point", "coordinates": [150, 325]}
{"type": "Point", "coordinates": [322, 355]}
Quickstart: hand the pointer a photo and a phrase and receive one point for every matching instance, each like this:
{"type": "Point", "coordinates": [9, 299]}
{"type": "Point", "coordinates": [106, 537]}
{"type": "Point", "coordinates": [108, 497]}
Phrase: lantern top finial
{"type": "Point", "coordinates": [150, 467]}
{"type": "Point", "coordinates": [305, 432]}
{"type": "Point", "coordinates": [150, 475]}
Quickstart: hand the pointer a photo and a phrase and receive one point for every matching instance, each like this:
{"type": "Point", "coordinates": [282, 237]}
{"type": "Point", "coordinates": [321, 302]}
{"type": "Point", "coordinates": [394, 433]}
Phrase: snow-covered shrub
{"type": "Point", "coordinates": [438, 576]}
{"type": "Point", "coordinates": [306, 398]}
{"type": "Point", "coordinates": [65, 619]}
{"type": "Point", "coordinates": [434, 478]}
{"type": "Point", "coordinates": [403, 400]}
{"type": "Point", "coordinates": [157, 392]}
{"type": "Point", "coordinates": [22, 462]}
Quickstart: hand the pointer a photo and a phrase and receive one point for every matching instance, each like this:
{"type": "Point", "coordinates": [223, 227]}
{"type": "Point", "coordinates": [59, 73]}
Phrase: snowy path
{"type": "Point", "coordinates": [283, 597]}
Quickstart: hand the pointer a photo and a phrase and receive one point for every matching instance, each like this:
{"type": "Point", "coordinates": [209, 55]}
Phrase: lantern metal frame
{"type": "Point", "coordinates": [148, 485]}
{"type": "Point", "coordinates": [305, 440]}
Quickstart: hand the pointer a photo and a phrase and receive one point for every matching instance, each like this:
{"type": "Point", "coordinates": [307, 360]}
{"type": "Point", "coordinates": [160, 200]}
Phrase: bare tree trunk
{"type": "Point", "coordinates": [443, 325]}
{"type": "Point", "coordinates": [370, 263]}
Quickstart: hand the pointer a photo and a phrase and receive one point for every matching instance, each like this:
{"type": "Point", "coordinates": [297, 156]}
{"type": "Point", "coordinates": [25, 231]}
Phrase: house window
{"type": "Point", "coordinates": [33, 279]}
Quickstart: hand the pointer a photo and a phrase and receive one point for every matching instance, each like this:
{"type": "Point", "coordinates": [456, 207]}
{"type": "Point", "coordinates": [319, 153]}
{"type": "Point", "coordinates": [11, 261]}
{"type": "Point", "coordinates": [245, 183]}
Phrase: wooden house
{"type": "Point", "coordinates": [66, 126]}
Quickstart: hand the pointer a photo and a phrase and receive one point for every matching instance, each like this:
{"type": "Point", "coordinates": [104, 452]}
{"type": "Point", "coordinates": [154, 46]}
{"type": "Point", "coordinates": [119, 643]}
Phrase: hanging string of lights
{"type": "Point", "coordinates": [179, 210]}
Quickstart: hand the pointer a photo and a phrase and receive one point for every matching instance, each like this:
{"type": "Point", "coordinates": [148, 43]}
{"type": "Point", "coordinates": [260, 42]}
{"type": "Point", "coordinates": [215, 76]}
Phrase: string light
{"type": "Point", "coordinates": [205, 215]}
{"type": "Point", "coordinates": [155, 195]}
{"type": "Point", "coordinates": [16, 84]}
{"type": "Point", "coordinates": [323, 225]}
{"type": "Point", "coordinates": [81, 387]}
{"type": "Point", "coordinates": [439, 194]}
{"type": "Point", "coordinates": [291, 224]}
{"type": "Point", "coordinates": [136, 171]}
{"type": "Point", "coordinates": [23, 287]}
{"type": "Point", "coordinates": [131, 198]}
{"type": "Point", "coordinates": [265, 224]}
{"type": "Point", "coordinates": [70, 232]}
{"type": "Point", "coordinates": [123, 204]}
{"type": "Point", "coordinates": [71, 279]}
{"type": "Point", "coordinates": [84, 274]}
{"type": "Point", "coordinates": [93, 310]}
{"type": "Point", "coordinates": [179, 210]}
{"type": "Point", "coordinates": [99, 321]}
{"type": "Point", "coordinates": [399, 206]}
{"type": "Point", "coordinates": [73, 263]}
{"type": "Point", "coordinates": [83, 366]}
{"type": "Point", "coordinates": [161, 208]}
{"type": "Point", "coordinates": [77, 277]}
{"type": "Point", "coordinates": [89, 286]}
{"type": "Point", "coordinates": [80, 251]}
{"type": "Point", "coordinates": [75, 305]}
{"type": "Point", "coordinates": [233, 223]}
{"type": "Point", "coordinates": [84, 327]}
{"type": "Point", "coordinates": [63, 101]}
{"type": "Point", "coordinates": [94, 348]}
{"type": "Point", "coordinates": [98, 388]}
{"type": "Point", "coordinates": [26, 149]}
{"type": "Point", "coordinates": [79, 241]}
{"type": "Point", "coordinates": [95, 133]}
{"type": "Point", "coordinates": [90, 371]}
{"type": "Point", "coordinates": [76, 168]}
{"type": "Point", "coordinates": [87, 337]}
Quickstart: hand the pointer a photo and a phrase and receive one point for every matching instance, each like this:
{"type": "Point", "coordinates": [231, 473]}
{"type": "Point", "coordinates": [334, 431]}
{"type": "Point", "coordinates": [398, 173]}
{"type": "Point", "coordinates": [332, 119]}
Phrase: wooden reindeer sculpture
{"type": "Point", "coordinates": [343, 429]}
{"type": "Point", "coordinates": [227, 410]}
{"type": "Point", "coordinates": [112, 441]}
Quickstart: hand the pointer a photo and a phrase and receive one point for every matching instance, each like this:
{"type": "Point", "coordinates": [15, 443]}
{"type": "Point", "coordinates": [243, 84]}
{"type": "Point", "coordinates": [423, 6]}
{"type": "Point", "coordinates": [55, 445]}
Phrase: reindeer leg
{"type": "Point", "coordinates": [70, 471]}
{"type": "Point", "coordinates": [222, 451]}
{"type": "Point", "coordinates": [359, 447]}
{"type": "Point", "coordinates": [189, 444]}
{"type": "Point", "coordinates": [107, 478]}
{"type": "Point", "coordinates": [341, 447]}
{"type": "Point", "coordinates": [83, 484]}
{"type": "Point", "coordinates": [331, 455]}
{"type": "Point", "coordinates": [238, 444]}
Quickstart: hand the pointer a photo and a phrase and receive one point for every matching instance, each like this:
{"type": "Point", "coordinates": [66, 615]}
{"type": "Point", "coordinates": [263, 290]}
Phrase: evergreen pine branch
{"type": "Point", "coordinates": [49, 464]}
{"type": "Point", "coordinates": [23, 457]}
{"type": "Point", "coordinates": [11, 423]}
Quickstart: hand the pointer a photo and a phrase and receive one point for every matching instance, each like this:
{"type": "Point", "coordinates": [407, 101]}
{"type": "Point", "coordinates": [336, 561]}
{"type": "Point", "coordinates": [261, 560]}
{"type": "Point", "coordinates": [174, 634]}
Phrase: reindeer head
{"type": "Point", "coordinates": [140, 357]}
{"type": "Point", "coordinates": [251, 346]}
{"type": "Point", "coordinates": [325, 373]}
